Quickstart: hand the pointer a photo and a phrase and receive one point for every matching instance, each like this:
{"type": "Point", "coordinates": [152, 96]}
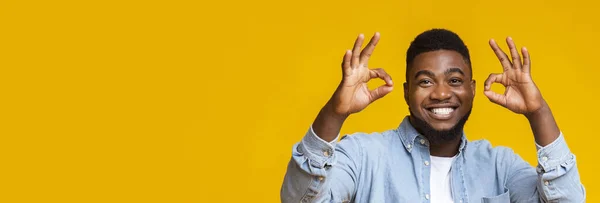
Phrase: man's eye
{"type": "Point", "coordinates": [425, 82]}
{"type": "Point", "coordinates": [455, 81]}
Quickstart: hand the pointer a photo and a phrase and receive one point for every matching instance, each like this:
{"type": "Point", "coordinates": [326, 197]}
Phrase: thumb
{"type": "Point", "coordinates": [495, 97]}
{"type": "Point", "coordinates": [380, 92]}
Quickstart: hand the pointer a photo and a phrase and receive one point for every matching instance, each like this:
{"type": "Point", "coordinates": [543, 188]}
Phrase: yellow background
{"type": "Point", "coordinates": [201, 101]}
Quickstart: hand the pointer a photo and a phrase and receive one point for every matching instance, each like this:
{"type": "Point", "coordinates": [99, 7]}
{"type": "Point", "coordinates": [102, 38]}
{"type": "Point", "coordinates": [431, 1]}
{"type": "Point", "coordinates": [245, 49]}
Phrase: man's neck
{"type": "Point", "coordinates": [447, 149]}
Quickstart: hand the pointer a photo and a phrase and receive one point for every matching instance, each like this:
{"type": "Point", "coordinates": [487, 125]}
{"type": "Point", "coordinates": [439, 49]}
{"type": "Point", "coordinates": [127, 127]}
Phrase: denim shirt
{"type": "Point", "coordinates": [393, 166]}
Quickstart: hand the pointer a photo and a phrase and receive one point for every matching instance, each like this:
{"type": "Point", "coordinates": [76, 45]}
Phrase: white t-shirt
{"type": "Point", "coordinates": [439, 180]}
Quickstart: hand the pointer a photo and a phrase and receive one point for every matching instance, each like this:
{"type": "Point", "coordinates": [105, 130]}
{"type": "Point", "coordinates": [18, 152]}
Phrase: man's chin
{"type": "Point", "coordinates": [440, 132]}
{"type": "Point", "coordinates": [443, 126]}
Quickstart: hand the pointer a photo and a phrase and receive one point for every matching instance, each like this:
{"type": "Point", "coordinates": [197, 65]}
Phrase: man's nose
{"type": "Point", "coordinates": [441, 92]}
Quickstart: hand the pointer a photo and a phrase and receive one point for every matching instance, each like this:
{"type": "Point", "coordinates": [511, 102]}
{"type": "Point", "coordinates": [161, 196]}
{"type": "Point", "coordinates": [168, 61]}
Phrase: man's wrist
{"type": "Point", "coordinates": [328, 124]}
{"type": "Point", "coordinates": [543, 125]}
{"type": "Point", "coordinates": [540, 113]}
{"type": "Point", "coordinates": [329, 112]}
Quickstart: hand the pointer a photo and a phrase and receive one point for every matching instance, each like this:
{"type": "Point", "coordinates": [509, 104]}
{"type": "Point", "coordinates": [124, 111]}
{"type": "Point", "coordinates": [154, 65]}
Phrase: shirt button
{"type": "Point", "coordinates": [546, 183]}
{"type": "Point", "coordinates": [422, 141]}
{"type": "Point", "coordinates": [326, 152]}
{"type": "Point", "coordinates": [427, 196]}
{"type": "Point", "coordinates": [544, 159]}
{"type": "Point", "coordinates": [321, 178]}
{"type": "Point", "coordinates": [426, 163]}
{"type": "Point", "coordinates": [409, 146]}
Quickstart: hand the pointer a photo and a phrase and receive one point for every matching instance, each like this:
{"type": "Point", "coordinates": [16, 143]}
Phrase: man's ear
{"type": "Point", "coordinates": [473, 86]}
{"type": "Point", "coordinates": [405, 92]}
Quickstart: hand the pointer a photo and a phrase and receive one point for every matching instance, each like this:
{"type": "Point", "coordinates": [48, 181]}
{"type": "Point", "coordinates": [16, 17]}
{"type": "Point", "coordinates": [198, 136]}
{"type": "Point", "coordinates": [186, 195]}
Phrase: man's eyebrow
{"type": "Point", "coordinates": [454, 70]}
{"type": "Point", "coordinates": [424, 72]}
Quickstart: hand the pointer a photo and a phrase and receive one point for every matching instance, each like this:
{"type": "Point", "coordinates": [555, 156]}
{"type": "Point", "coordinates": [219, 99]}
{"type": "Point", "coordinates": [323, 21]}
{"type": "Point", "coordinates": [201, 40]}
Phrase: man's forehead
{"type": "Point", "coordinates": [439, 61]}
{"type": "Point", "coordinates": [439, 56]}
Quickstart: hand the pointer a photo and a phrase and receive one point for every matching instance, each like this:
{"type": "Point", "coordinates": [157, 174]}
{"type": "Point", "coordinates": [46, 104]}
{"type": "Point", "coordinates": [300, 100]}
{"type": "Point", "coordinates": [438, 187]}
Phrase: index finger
{"type": "Point", "coordinates": [366, 53]}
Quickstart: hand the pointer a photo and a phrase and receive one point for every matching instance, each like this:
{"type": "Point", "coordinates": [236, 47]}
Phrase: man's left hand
{"type": "Point", "coordinates": [521, 95]}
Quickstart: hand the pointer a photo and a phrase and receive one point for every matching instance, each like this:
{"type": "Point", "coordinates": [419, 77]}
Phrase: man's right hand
{"type": "Point", "coordinates": [353, 94]}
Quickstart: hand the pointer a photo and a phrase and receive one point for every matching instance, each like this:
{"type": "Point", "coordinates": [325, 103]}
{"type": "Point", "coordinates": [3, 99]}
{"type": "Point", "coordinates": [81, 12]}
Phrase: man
{"type": "Point", "coordinates": [427, 158]}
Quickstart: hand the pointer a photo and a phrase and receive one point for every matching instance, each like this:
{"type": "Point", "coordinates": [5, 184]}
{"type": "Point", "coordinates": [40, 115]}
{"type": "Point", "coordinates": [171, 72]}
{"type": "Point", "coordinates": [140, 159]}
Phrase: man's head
{"type": "Point", "coordinates": [439, 89]}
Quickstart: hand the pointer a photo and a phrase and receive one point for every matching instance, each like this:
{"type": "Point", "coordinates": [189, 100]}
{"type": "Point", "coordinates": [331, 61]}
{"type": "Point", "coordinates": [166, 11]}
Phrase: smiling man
{"type": "Point", "coordinates": [428, 158]}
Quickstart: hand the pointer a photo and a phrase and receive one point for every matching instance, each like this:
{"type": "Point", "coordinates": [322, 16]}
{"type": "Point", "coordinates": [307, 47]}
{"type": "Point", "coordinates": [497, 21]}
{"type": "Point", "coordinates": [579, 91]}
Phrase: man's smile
{"type": "Point", "coordinates": [441, 111]}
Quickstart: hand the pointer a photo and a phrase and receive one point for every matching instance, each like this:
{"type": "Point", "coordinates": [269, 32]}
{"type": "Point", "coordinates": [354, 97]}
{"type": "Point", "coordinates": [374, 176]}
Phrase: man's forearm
{"type": "Point", "coordinates": [543, 125]}
{"type": "Point", "coordinates": [327, 125]}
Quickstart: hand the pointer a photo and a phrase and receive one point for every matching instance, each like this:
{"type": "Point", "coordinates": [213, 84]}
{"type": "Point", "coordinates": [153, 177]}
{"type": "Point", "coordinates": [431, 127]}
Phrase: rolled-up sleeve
{"type": "Point", "coordinates": [320, 171]}
{"type": "Point", "coordinates": [317, 150]}
{"type": "Point", "coordinates": [558, 177]}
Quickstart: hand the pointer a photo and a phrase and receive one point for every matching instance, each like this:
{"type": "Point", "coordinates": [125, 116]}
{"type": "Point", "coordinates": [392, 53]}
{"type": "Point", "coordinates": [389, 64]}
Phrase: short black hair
{"type": "Point", "coordinates": [433, 40]}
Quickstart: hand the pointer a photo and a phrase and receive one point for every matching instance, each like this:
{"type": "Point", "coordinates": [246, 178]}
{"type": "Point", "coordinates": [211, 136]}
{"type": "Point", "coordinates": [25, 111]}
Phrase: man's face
{"type": "Point", "coordinates": [439, 89]}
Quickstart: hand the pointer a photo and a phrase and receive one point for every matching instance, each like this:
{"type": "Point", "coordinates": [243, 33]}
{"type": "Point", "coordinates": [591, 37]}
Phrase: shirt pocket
{"type": "Point", "coordinates": [503, 198]}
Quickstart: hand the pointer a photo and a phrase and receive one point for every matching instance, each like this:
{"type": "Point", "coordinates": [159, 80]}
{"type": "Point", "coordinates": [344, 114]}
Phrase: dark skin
{"type": "Point", "coordinates": [521, 94]}
{"type": "Point", "coordinates": [440, 79]}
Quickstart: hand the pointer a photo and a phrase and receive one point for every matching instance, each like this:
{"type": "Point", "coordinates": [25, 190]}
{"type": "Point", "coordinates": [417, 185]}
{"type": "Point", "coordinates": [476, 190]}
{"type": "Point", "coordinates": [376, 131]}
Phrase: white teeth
{"type": "Point", "coordinates": [442, 111]}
